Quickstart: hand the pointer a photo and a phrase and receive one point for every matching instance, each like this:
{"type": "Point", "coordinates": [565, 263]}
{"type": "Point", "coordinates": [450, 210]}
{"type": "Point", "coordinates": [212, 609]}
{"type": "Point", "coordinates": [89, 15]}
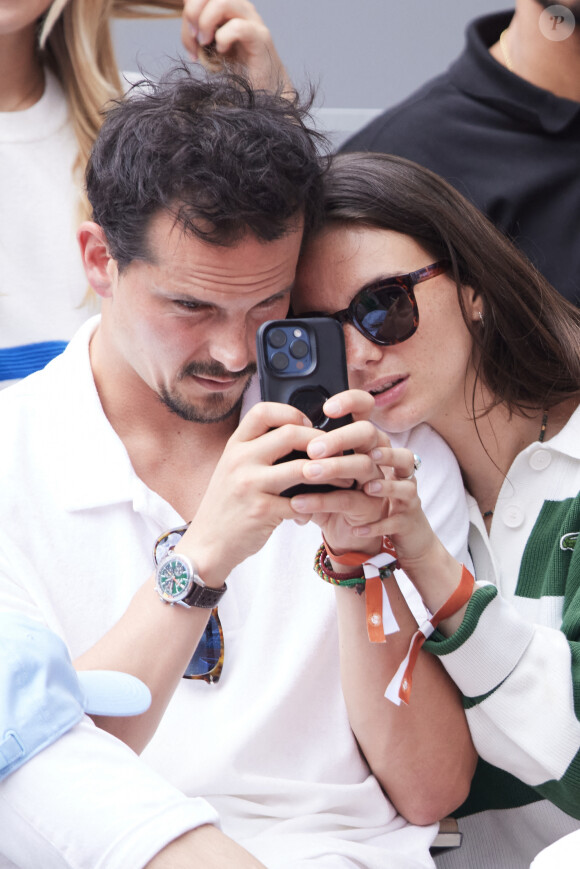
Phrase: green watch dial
{"type": "Point", "coordinates": [173, 578]}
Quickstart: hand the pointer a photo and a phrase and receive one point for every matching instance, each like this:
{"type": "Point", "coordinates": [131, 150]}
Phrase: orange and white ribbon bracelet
{"type": "Point", "coordinates": [399, 688]}
{"type": "Point", "coordinates": [380, 617]}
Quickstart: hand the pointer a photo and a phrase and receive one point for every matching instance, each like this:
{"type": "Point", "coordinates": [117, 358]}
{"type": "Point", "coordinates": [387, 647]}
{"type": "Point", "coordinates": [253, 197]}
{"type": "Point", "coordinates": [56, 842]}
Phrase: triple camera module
{"type": "Point", "coordinates": [288, 350]}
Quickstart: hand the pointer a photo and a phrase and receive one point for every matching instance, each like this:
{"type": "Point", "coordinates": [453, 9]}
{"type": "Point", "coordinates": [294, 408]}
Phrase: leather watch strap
{"type": "Point", "coordinates": [204, 597]}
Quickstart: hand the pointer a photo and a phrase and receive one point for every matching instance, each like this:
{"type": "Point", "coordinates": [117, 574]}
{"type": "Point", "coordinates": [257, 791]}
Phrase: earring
{"type": "Point", "coordinates": [481, 318]}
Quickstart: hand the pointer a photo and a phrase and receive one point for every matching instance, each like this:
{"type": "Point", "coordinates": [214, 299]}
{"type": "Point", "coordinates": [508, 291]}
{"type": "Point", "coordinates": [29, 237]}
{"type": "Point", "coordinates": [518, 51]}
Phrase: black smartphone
{"type": "Point", "coordinates": [303, 363]}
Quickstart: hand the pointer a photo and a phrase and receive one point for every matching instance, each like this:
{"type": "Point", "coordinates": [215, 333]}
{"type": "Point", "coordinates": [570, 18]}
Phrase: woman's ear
{"type": "Point", "coordinates": [473, 302]}
{"type": "Point", "coordinates": [100, 267]}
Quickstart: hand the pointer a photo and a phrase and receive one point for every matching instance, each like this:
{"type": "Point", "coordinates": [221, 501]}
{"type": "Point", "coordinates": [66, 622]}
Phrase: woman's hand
{"type": "Point", "coordinates": [338, 457]}
{"type": "Point", "coordinates": [385, 501]}
{"type": "Point", "coordinates": [405, 522]}
{"type": "Point", "coordinates": [214, 31]}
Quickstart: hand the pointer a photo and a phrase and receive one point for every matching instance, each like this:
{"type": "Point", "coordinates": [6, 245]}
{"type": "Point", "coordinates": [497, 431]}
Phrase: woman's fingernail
{"type": "Point", "coordinates": [313, 469]}
{"type": "Point", "coordinates": [362, 531]}
{"type": "Point", "coordinates": [298, 503]}
{"type": "Point", "coordinates": [192, 30]}
{"type": "Point", "coordinates": [373, 487]}
{"type": "Point", "coordinates": [376, 455]}
{"type": "Point", "coordinates": [316, 449]}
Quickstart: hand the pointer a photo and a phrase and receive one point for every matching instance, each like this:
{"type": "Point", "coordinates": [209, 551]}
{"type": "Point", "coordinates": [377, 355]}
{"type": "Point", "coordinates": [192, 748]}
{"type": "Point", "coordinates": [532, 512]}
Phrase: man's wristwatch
{"type": "Point", "coordinates": [177, 581]}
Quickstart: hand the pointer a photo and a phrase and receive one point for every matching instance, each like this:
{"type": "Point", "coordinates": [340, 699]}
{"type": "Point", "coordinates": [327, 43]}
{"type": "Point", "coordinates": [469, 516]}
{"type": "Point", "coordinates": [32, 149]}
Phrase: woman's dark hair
{"type": "Point", "coordinates": [527, 349]}
{"type": "Point", "coordinates": [223, 158]}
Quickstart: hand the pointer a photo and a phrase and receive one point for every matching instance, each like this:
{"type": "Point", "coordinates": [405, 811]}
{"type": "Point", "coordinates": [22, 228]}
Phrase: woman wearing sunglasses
{"type": "Point", "coordinates": [447, 324]}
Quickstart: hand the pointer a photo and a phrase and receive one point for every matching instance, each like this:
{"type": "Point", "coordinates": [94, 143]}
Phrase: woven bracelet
{"type": "Point", "coordinates": [324, 570]}
{"type": "Point", "coordinates": [353, 579]}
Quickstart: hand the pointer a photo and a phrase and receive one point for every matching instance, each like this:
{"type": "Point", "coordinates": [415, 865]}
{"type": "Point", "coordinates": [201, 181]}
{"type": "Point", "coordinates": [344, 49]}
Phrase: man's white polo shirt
{"type": "Point", "coordinates": [270, 746]}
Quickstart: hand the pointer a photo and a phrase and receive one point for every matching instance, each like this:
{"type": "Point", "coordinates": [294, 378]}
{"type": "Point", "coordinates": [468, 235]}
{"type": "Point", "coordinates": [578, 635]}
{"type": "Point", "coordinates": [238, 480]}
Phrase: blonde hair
{"type": "Point", "coordinates": [76, 43]}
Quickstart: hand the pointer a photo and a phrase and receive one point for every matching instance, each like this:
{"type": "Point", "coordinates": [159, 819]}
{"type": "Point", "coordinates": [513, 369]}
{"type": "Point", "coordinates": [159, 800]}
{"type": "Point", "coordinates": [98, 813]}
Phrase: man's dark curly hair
{"type": "Point", "coordinates": [223, 158]}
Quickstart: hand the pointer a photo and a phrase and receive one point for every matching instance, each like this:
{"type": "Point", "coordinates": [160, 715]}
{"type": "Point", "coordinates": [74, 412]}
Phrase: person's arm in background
{"type": "Point", "coordinates": [205, 848]}
{"type": "Point", "coordinates": [234, 32]}
{"type": "Point", "coordinates": [88, 800]}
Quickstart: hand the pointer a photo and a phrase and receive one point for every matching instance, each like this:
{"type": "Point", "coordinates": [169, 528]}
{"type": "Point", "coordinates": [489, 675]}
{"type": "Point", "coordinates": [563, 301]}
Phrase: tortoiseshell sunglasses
{"type": "Point", "coordinates": [386, 311]}
{"type": "Point", "coordinates": [208, 659]}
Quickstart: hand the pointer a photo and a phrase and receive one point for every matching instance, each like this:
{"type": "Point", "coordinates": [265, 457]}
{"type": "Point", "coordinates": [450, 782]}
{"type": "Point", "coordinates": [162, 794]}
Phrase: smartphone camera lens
{"type": "Point", "coordinates": [279, 361]}
{"type": "Point", "coordinates": [276, 338]}
{"type": "Point", "coordinates": [299, 348]}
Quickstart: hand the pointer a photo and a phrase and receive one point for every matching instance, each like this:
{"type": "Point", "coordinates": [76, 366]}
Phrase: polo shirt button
{"type": "Point", "coordinates": [540, 459]}
{"type": "Point", "coordinates": [513, 516]}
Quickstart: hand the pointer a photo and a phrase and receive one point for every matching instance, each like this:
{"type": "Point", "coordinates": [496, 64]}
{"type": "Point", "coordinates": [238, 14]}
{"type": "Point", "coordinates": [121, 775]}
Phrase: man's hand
{"type": "Point", "coordinates": [242, 503]}
{"type": "Point", "coordinates": [214, 31]}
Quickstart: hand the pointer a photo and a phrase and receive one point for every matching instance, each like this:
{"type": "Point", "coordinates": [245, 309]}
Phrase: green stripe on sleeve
{"type": "Point", "coordinates": [438, 644]}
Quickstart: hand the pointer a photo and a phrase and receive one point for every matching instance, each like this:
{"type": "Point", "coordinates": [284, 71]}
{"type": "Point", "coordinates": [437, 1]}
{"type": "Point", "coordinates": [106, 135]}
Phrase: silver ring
{"type": "Point", "coordinates": [416, 466]}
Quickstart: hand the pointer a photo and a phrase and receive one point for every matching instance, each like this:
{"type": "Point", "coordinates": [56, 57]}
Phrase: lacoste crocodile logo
{"type": "Point", "coordinates": [568, 541]}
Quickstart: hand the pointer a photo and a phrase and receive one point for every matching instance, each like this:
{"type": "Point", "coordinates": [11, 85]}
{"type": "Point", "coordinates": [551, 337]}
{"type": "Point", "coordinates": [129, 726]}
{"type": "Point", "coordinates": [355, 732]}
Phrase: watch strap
{"type": "Point", "coordinates": [203, 596]}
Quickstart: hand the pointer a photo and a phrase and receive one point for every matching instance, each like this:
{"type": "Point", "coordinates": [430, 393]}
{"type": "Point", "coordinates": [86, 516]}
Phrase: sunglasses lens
{"type": "Point", "coordinates": [386, 315]}
{"type": "Point", "coordinates": [209, 651]}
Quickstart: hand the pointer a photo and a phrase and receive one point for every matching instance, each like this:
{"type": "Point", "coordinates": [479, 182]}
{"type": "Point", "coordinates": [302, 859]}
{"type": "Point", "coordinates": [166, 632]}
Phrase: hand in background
{"type": "Point", "coordinates": [218, 31]}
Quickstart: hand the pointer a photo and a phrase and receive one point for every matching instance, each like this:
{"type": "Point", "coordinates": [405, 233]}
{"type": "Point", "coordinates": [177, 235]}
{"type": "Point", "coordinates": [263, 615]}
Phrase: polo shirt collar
{"type": "Point", "coordinates": [99, 472]}
{"type": "Point", "coordinates": [477, 74]}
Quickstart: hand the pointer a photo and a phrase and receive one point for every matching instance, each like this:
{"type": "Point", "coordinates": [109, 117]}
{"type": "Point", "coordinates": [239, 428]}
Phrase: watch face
{"type": "Point", "coordinates": [174, 578]}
